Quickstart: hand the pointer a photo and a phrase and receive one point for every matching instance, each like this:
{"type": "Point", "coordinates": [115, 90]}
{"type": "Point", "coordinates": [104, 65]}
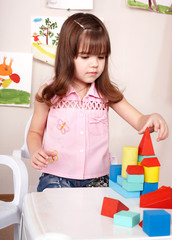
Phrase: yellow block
{"type": "Point", "coordinates": [151, 174]}
{"type": "Point", "coordinates": [129, 157]}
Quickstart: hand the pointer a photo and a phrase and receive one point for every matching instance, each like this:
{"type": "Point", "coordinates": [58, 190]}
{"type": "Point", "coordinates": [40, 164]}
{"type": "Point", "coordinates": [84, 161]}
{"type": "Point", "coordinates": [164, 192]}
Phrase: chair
{"type": "Point", "coordinates": [10, 212]}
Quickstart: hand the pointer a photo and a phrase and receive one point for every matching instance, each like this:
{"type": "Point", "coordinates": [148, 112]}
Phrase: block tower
{"type": "Point", "coordinates": [150, 162]}
{"type": "Point", "coordinates": [139, 172]}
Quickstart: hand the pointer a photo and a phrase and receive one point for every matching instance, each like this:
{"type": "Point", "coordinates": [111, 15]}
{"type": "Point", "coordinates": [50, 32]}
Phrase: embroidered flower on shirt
{"type": "Point", "coordinates": [62, 126]}
{"type": "Point", "coordinates": [53, 159]}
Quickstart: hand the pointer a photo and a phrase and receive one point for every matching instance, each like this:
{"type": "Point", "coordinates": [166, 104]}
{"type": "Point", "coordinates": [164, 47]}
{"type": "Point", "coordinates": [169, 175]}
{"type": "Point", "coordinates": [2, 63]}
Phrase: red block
{"type": "Point", "coordinates": [150, 162]}
{"type": "Point", "coordinates": [145, 146]}
{"type": "Point", "coordinates": [161, 198]}
{"type": "Point", "coordinates": [141, 224]}
{"type": "Point", "coordinates": [135, 170]}
{"type": "Point", "coordinates": [111, 206]}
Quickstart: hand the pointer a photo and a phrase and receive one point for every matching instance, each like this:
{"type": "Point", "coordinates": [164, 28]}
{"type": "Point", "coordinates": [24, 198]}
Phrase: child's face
{"type": "Point", "coordinates": [88, 68]}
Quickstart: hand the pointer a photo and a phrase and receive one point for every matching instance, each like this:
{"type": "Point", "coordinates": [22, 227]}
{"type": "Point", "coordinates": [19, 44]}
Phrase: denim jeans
{"type": "Point", "coordinates": [51, 181]}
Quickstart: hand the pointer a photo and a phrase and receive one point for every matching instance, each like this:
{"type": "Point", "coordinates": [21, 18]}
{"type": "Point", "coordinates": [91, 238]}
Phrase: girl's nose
{"type": "Point", "coordinates": [94, 62]}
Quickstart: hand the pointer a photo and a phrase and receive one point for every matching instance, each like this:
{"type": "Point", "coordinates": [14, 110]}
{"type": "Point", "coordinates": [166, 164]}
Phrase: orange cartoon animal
{"type": "Point", "coordinates": [6, 71]}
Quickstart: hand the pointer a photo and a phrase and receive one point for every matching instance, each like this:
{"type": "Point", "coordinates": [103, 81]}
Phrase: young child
{"type": "Point", "coordinates": [72, 110]}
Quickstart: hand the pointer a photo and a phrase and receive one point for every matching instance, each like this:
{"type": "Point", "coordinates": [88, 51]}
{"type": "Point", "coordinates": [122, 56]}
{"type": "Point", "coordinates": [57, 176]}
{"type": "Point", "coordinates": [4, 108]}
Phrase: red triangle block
{"type": "Point", "coordinates": [112, 206]}
{"type": "Point", "coordinates": [145, 146]}
{"type": "Point", "coordinates": [161, 198]}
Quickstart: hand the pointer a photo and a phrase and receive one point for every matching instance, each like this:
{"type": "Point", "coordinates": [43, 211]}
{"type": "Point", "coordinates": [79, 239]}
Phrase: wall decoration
{"type": "Point", "coordinates": [44, 37]}
{"type": "Point", "coordinates": [71, 4]}
{"type": "Point", "coordinates": [15, 78]}
{"type": "Point", "coordinates": [159, 6]}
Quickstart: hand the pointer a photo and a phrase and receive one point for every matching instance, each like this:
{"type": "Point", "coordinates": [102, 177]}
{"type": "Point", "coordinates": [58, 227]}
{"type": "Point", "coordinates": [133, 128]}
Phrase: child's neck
{"type": "Point", "coordinates": [81, 89]}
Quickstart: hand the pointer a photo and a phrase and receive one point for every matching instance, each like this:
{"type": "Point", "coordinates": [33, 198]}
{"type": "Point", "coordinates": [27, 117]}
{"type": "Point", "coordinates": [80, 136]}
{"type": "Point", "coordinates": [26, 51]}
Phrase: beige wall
{"type": "Point", "coordinates": [140, 62]}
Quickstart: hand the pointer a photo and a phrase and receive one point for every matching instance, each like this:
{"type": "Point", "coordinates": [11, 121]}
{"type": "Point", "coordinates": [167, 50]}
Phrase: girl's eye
{"type": "Point", "coordinates": [84, 56]}
{"type": "Point", "coordinates": [101, 57]}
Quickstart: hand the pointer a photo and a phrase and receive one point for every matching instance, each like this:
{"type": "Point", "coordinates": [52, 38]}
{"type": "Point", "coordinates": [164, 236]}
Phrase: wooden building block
{"type": "Point", "coordinates": [111, 206]}
{"type": "Point", "coordinates": [126, 218]}
{"type": "Point", "coordinates": [135, 178]}
{"type": "Point", "coordinates": [151, 169]}
{"type": "Point", "coordinates": [115, 170]}
{"type": "Point", "coordinates": [145, 146]}
{"type": "Point", "coordinates": [120, 179]}
{"type": "Point", "coordinates": [119, 189]}
{"type": "Point", "coordinates": [149, 187]}
{"type": "Point", "coordinates": [161, 198]}
{"type": "Point", "coordinates": [141, 157]}
{"type": "Point", "coordinates": [135, 170]}
{"type": "Point", "coordinates": [129, 157]}
{"type": "Point", "coordinates": [132, 186]}
{"type": "Point", "coordinates": [156, 223]}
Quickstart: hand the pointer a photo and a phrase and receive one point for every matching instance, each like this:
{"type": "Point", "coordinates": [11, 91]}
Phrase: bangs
{"type": "Point", "coordinates": [93, 43]}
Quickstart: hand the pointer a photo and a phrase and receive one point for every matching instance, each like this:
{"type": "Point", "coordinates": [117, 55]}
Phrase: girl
{"type": "Point", "coordinates": [73, 109]}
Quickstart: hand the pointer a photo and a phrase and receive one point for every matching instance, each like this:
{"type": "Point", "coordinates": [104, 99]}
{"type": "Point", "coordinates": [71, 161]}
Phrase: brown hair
{"type": "Point", "coordinates": [88, 29]}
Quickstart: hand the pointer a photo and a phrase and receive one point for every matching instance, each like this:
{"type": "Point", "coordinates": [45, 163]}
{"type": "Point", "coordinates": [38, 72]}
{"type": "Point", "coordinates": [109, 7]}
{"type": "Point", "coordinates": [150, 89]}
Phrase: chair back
{"type": "Point", "coordinates": [20, 178]}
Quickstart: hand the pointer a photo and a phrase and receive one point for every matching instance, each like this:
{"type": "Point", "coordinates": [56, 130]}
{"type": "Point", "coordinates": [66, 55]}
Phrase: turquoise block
{"type": "Point", "coordinates": [135, 178]}
{"type": "Point", "coordinates": [132, 186]}
{"type": "Point", "coordinates": [156, 222]}
{"type": "Point", "coordinates": [126, 218]}
{"type": "Point", "coordinates": [117, 188]}
{"type": "Point", "coordinates": [120, 179]}
{"type": "Point", "coordinates": [115, 170]}
{"type": "Point", "coordinates": [140, 157]}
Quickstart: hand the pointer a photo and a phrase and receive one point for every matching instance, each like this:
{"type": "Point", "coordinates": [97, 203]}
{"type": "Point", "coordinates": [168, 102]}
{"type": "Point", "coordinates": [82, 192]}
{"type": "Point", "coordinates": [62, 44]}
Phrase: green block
{"type": "Point", "coordinates": [132, 186]}
{"type": "Point", "coordinates": [135, 178]}
{"type": "Point", "coordinates": [140, 157]}
{"type": "Point", "coordinates": [126, 218]}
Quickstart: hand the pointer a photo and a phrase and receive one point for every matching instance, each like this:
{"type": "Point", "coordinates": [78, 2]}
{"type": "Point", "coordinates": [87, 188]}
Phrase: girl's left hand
{"type": "Point", "coordinates": [155, 123]}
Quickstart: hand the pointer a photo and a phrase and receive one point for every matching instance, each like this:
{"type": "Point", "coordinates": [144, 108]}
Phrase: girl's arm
{"type": "Point", "coordinates": [36, 133]}
{"type": "Point", "coordinates": [140, 122]}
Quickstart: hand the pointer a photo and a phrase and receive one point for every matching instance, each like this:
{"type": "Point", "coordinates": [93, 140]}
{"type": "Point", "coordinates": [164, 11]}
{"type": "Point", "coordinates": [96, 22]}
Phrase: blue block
{"type": "Point", "coordinates": [149, 187]}
{"type": "Point", "coordinates": [117, 188]}
{"type": "Point", "coordinates": [126, 218]}
{"type": "Point", "coordinates": [120, 179]}
{"type": "Point", "coordinates": [156, 222]}
{"type": "Point", "coordinates": [115, 170]}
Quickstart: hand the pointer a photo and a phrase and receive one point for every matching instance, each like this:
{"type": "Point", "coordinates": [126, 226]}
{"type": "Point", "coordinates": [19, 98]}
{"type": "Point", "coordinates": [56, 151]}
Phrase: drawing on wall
{"type": "Point", "coordinates": [44, 37]}
{"type": "Point", "coordinates": [159, 6]}
{"type": "Point", "coordinates": [15, 78]}
{"type": "Point", "coordinates": [71, 4]}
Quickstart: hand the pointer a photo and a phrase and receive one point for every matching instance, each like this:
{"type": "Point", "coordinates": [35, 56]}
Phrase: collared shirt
{"type": "Point", "coordinates": [77, 130]}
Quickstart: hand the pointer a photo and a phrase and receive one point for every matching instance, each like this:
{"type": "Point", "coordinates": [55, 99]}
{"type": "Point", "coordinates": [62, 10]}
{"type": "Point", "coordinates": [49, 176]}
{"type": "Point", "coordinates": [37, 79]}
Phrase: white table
{"type": "Point", "coordinates": [76, 212]}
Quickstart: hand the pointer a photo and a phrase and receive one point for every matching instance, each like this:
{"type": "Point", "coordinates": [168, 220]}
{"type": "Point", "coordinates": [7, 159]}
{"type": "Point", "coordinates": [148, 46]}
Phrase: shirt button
{"type": "Point", "coordinates": [81, 114]}
{"type": "Point", "coordinates": [81, 150]}
{"type": "Point", "coordinates": [81, 132]}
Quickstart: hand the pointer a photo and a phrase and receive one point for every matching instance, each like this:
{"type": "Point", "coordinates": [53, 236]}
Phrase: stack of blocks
{"type": "Point", "coordinates": [148, 159]}
{"type": "Point", "coordinates": [139, 172]}
{"type": "Point", "coordinates": [138, 176]}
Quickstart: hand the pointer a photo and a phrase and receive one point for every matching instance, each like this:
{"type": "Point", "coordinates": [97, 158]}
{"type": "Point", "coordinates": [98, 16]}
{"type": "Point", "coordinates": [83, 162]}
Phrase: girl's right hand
{"type": "Point", "coordinates": [39, 158]}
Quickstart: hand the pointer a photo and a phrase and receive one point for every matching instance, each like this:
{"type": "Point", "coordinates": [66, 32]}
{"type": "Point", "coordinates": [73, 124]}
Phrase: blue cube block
{"type": "Point", "coordinates": [156, 222]}
{"type": "Point", "coordinates": [149, 187]}
{"type": "Point", "coordinates": [115, 170]}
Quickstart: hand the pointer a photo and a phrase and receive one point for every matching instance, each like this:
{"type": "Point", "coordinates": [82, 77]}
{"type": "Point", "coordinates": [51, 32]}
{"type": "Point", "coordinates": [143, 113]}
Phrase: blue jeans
{"type": "Point", "coordinates": [51, 181]}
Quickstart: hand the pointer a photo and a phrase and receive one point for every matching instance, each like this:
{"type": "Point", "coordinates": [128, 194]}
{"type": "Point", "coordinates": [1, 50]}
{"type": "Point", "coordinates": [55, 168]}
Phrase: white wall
{"type": "Point", "coordinates": [140, 62]}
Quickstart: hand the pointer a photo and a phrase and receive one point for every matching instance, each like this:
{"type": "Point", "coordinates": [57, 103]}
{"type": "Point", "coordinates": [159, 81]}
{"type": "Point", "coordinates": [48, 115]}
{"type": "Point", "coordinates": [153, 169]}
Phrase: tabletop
{"type": "Point", "coordinates": [76, 212]}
